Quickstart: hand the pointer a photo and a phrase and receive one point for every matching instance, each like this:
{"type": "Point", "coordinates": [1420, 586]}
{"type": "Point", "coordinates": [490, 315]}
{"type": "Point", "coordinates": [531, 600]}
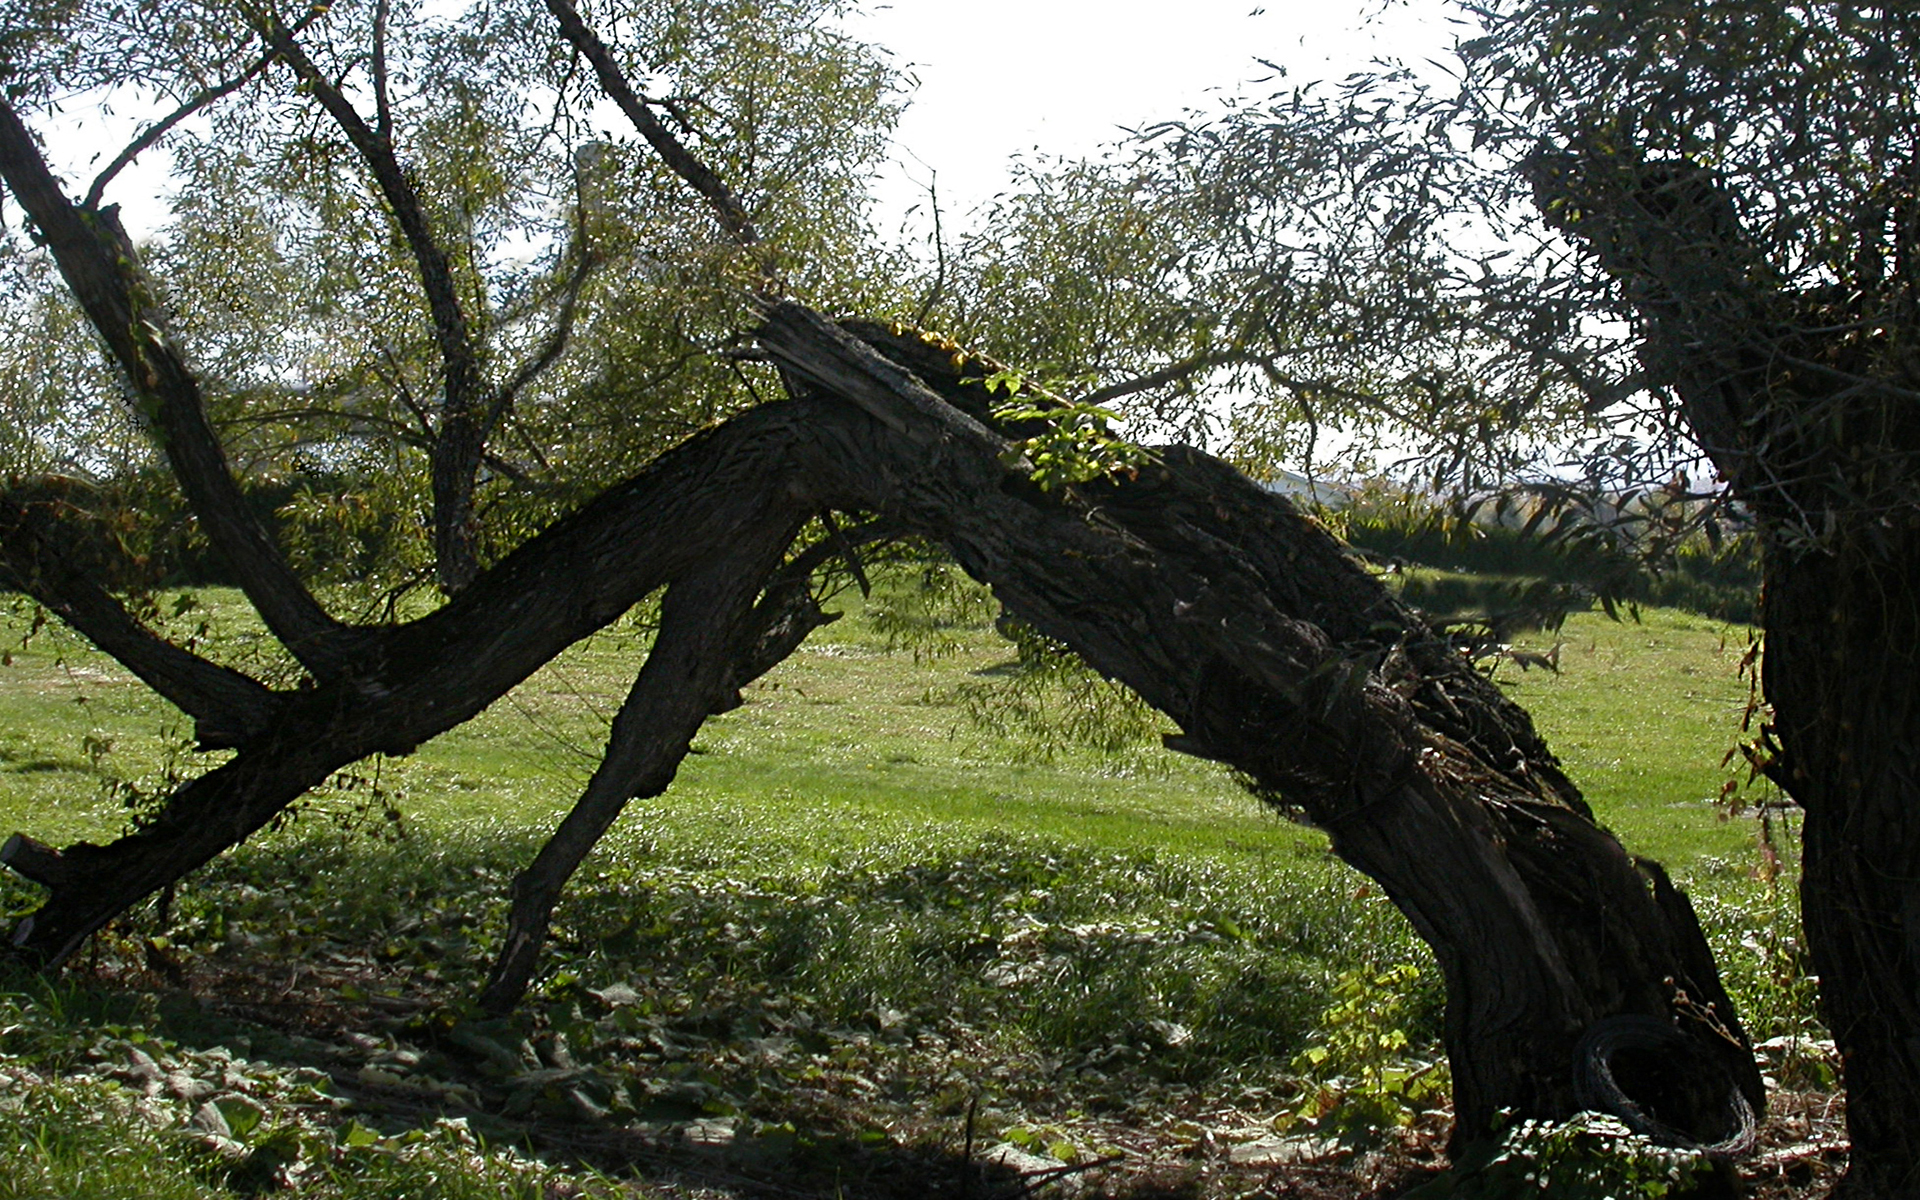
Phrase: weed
{"type": "Point", "coordinates": [1588, 1157]}
{"type": "Point", "coordinates": [1363, 1076]}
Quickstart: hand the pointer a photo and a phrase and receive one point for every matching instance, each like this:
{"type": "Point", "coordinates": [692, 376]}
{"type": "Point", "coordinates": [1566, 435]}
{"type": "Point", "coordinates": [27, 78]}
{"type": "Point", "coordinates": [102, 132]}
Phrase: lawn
{"type": "Point", "coordinates": [883, 919]}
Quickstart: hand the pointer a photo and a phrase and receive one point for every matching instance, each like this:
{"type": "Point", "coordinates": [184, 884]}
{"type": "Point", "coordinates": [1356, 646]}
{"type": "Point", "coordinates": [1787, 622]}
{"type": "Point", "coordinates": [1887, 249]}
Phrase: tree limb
{"type": "Point", "coordinates": [555, 343]}
{"type": "Point", "coordinates": [1173, 372]}
{"type": "Point", "coordinates": [726, 207]}
{"type": "Point", "coordinates": [40, 553]}
{"type": "Point", "coordinates": [101, 266]}
{"type": "Point", "coordinates": [705, 628]}
{"type": "Point", "coordinates": [725, 487]}
{"type": "Point", "coordinates": [466, 414]}
{"type": "Point", "coordinates": [194, 103]}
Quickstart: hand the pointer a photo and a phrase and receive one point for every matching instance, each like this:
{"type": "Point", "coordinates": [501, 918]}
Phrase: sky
{"type": "Point", "coordinates": [1014, 78]}
{"type": "Point", "coordinates": [1064, 77]}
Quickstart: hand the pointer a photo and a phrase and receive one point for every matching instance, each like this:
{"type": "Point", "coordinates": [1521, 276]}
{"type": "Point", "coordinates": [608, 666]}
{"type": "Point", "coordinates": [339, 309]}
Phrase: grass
{"type": "Point", "coordinates": [1642, 714]}
{"type": "Point", "coordinates": [857, 921]}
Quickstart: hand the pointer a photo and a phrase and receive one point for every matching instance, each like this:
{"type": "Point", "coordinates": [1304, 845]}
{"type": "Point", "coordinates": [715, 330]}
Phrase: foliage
{"type": "Point", "coordinates": [1362, 1073]}
{"type": "Point", "coordinates": [1588, 1157]}
{"type": "Point", "coordinates": [1793, 127]}
{"type": "Point", "coordinates": [1076, 443]}
{"type": "Point", "coordinates": [1048, 700]}
{"type": "Point", "coordinates": [600, 312]}
{"type": "Point", "coordinates": [930, 612]}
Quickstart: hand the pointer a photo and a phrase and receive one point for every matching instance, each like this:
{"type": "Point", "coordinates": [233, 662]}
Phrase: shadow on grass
{"type": "Point", "coordinates": [825, 1032]}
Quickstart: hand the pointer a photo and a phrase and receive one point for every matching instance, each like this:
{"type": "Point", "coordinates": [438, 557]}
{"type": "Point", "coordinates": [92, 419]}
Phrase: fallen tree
{"type": "Point", "coordinates": [1219, 603]}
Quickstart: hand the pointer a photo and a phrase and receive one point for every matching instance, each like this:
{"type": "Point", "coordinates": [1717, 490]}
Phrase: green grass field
{"type": "Point", "coordinates": [858, 915]}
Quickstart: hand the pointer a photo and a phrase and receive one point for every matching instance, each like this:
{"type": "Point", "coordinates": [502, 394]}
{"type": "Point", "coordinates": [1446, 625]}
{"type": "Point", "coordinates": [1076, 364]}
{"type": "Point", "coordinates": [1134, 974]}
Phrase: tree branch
{"type": "Point", "coordinates": [705, 629]}
{"type": "Point", "coordinates": [101, 266]}
{"type": "Point", "coordinates": [382, 106]}
{"type": "Point", "coordinates": [465, 414]}
{"type": "Point", "coordinates": [555, 343]}
{"type": "Point", "coordinates": [722, 488]}
{"type": "Point", "coordinates": [726, 207]}
{"type": "Point", "coordinates": [1173, 372]}
{"type": "Point", "coordinates": [41, 553]}
{"type": "Point", "coordinates": [195, 103]}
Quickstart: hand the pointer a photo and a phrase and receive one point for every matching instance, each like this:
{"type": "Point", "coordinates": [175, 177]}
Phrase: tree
{"type": "Point", "coordinates": [1676, 230]}
{"type": "Point", "coordinates": [1217, 602]}
{"type": "Point", "coordinates": [1744, 178]}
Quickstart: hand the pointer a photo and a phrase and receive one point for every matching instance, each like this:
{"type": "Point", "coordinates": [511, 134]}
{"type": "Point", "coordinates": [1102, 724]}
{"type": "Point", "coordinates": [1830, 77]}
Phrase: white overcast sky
{"type": "Point", "coordinates": [999, 78]}
{"type": "Point", "coordinates": [1003, 78]}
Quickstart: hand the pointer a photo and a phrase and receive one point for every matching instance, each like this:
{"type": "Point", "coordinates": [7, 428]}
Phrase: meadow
{"type": "Point", "coordinates": [916, 908]}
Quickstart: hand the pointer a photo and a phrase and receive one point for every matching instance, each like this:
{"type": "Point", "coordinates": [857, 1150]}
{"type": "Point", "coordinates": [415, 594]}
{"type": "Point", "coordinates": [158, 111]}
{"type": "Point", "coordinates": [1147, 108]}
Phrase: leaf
{"type": "Point", "coordinates": [243, 1115]}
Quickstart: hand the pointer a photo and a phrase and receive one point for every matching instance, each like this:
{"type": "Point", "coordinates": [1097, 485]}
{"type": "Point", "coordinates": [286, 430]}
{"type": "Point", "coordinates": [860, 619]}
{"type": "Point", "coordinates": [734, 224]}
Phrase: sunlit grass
{"type": "Point", "coordinates": [846, 866]}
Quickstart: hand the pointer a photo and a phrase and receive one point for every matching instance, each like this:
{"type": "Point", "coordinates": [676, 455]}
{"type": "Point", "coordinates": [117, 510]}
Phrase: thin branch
{"type": "Point", "coordinates": [555, 343]}
{"type": "Point", "coordinates": [726, 207]}
{"type": "Point", "coordinates": [403, 200]}
{"type": "Point", "coordinates": [551, 347]}
{"type": "Point", "coordinates": [396, 378]}
{"type": "Point", "coordinates": [198, 101]}
{"type": "Point", "coordinates": [463, 431]}
{"type": "Point", "coordinates": [382, 107]}
{"type": "Point", "coordinates": [1173, 372]}
{"type": "Point", "coordinates": [392, 427]}
{"type": "Point", "coordinates": [939, 251]}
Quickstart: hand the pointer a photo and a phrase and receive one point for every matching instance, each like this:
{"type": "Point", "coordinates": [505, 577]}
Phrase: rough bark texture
{"type": "Point", "coordinates": [101, 267]}
{"type": "Point", "coordinates": [1839, 672]}
{"type": "Point", "coordinates": [1236, 615]}
{"type": "Point", "coordinates": [1219, 603]}
{"type": "Point", "coordinates": [1803, 408]}
{"type": "Point", "coordinates": [420, 679]}
{"type": "Point", "coordinates": [1244, 621]}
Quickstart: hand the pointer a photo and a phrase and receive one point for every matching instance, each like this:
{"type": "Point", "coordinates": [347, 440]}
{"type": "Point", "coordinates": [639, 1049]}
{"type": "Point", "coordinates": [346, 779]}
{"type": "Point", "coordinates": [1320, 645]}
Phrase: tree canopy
{"type": "Point", "coordinates": [462, 273]}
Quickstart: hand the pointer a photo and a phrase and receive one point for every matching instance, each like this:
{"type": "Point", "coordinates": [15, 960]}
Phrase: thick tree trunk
{"type": "Point", "coordinates": [1244, 621]}
{"type": "Point", "coordinates": [1842, 658]}
{"type": "Point", "coordinates": [1218, 602]}
{"type": "Point", "coordinates": [1803, 408]}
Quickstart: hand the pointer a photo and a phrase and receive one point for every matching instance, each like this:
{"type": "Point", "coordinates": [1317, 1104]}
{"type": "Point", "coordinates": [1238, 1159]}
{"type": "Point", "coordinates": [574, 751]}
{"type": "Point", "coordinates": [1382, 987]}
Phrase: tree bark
{"type": "Point", "coordinates": [416, 681]}
{"type": "Point", "coordinates": [102, 269]}
{"type": "Point", "coordinates": [1245, 622]}
{"type": "Point", "coordinates": [704, 619]}
{"type": "Point", "coordinates": [1219, 603]}
{"type": "Point", "coordinates": [1840, 668]}
{"type": "Point", "coordinates": [1803, 413]}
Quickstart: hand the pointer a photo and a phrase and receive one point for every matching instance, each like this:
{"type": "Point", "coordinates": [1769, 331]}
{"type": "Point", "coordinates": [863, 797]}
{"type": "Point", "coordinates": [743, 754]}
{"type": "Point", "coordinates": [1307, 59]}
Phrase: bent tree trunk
{"type": "Point", "coordinates": [1239, 617]}
{"type": "Point", "coordinates": [1245, 622]}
